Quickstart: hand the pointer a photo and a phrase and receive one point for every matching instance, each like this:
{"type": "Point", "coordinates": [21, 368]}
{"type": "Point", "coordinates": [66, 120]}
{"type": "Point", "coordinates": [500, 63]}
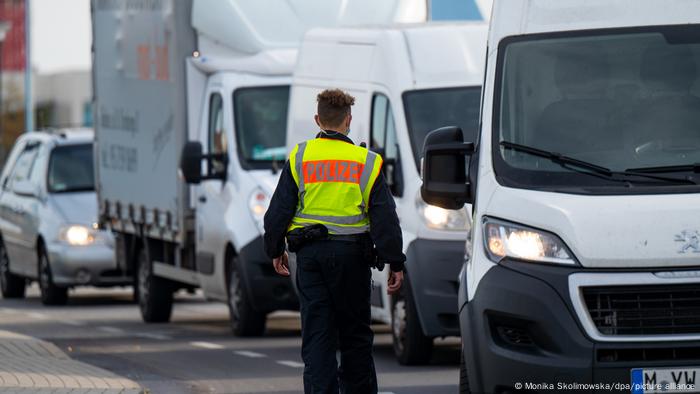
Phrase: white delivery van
{"type": "Point", "coordinates": [178, 83]}
{"type": "Point", "coordinates": [583, 268]}
{"type": "Point", "coordinates": [407, 80]}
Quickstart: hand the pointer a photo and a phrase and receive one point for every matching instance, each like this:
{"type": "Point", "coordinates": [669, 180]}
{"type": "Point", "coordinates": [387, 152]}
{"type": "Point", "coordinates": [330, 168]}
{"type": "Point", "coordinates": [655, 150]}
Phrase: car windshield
{"type": "Point", "coordinates": [427, 110]}
{"type": "Point", "coordinates": [71, 169]}
{"type": "Point", "coordinates": [624, 99]}
{"type": "Point", "coordinates": [261, 125]}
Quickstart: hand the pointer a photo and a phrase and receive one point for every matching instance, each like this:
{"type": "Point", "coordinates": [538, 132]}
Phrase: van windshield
{"type": "Point", "coordinates": [71, 169]}
{"type": "Point", "coordinates": [627, 100]}
{"type": "Point", "coordinates": [260, 115]}
{"type": "Point", "coordinates": [427, 110]}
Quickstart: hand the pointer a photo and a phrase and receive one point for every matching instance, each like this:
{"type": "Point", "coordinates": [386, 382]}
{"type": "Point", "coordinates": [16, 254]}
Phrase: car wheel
{"type": "Point", "coordinates": [12, 286]}
{"type": "Point", "coordinates": [411, 347]}
{"type": "Point", "coordinates": [245, 320]}
{"type": "Point", "coordinates": [463, 378]}
{"type": "Point", "coordinates": [155, 295]}
{"type": "Point", "coordinates": [50, 293]}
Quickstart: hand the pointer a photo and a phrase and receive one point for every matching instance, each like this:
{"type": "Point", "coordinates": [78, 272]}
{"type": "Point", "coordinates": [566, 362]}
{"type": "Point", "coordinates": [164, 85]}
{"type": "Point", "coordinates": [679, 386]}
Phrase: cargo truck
{"type": "Point", "coordinates": [203, 85]}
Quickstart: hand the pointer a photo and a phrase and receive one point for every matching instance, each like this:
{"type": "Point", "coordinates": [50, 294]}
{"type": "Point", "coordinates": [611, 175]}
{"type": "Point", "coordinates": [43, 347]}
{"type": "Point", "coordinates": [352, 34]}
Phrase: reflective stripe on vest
{"type": "Point", "coordinates": [335, 179]}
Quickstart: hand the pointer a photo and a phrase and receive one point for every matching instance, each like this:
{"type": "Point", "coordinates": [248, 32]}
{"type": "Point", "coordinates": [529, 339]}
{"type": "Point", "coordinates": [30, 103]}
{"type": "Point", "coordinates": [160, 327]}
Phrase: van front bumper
{"type": "Point", "coordinates": [93, 265]}
{"type": "Point", "coordinates": [267, 290]}
{"type": "Point", "coordinates": [520, 331]}
{"type": "Point", "coordinates": [433, 269]}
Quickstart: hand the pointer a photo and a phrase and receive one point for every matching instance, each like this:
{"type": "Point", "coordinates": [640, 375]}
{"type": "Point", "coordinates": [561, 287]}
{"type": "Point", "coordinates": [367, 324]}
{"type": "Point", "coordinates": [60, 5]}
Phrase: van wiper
{"type": "Point", "coordinates": [694, 168]}
{"type": "Point", "coordinates": [595, 170]}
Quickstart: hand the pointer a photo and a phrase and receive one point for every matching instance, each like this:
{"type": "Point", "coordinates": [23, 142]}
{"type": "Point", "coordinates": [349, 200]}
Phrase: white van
{"type": "Point", "coordinates": [407, 80]}
{"type": "Point", "coordinates": [584, 263]}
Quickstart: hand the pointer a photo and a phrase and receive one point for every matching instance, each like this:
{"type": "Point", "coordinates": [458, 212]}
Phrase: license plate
{"type": "Point", "coordinates": [665, 380]}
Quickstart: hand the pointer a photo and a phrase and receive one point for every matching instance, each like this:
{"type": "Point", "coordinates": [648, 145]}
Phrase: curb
{"type": "Point", "coordinates": [31, 365]}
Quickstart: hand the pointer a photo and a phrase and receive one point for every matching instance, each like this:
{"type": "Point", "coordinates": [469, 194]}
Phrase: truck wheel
{"type": "Point", "coordinates": [245, 321]}
{"type": "Point", "coordinates": [13, 286]}
{"type": "Point", "coordinates": [411, 347]}
{"type": "Point", "coordinates": [463, 378]}
{"type": "Point", "coordinates": [50, 293]}
{"type": "Point", "coordinates": [155, 294]}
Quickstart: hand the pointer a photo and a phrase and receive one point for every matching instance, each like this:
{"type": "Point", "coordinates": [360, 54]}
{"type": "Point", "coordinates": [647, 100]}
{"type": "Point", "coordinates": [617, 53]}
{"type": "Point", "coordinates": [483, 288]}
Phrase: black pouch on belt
{"type": "Point", "coordinates": [300, 236]}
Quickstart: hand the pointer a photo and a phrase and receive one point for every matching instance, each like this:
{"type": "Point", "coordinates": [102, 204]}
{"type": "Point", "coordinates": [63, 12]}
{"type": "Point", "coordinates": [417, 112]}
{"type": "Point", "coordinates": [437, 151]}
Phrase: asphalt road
{"type": "Point", "coordinates": [196, 352]}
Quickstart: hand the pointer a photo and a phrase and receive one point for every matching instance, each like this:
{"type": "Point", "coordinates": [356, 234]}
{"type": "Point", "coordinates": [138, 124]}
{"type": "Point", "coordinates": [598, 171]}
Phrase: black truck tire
{"type": "Point", "coordinates": [50, 293]}
{"type": "Point", "coordinates": [411, 346]}
{"type": "Point", "coordinates": [245, 320]}
{"type": "Point", "coordinates": [155, 294]}
{"type": "Point", "coordinates": [13, 286]}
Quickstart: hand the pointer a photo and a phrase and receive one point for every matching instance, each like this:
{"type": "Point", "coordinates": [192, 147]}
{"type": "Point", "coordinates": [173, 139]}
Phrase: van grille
{"type": "Point", "coordinates": [644, 310]}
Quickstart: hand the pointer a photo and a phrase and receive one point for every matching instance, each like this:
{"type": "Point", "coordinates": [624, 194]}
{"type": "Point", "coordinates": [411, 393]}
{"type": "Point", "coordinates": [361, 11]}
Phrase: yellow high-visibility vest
{"type": "Point", "coordinates": [335, 179]}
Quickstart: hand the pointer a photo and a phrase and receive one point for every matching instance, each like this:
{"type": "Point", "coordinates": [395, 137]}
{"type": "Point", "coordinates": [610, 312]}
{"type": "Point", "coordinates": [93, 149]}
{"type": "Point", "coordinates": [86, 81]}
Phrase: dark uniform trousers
{"type": "Point", "coordinates": [334, 282]}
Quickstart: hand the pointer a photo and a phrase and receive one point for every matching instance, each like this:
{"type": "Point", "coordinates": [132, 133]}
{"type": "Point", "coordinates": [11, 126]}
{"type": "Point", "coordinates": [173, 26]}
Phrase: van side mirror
{"type": "Point", "coordinates": [444, 168]}
{"type": "Point", "coordinates": [26, 188]}
{"type": "Point", "coordinates": [392, 171]}
{"type": "Point", "coordinates": [191, 163]}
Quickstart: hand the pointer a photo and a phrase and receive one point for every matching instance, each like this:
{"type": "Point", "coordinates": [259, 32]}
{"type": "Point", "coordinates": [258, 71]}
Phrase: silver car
{"type": "Point", "coordinates": [48, 215]}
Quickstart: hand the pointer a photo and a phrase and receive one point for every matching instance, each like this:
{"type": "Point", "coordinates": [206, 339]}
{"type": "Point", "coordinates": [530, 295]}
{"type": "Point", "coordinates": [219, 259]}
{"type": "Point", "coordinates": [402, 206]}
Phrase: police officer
{"type": "Point", "coordinates": [333, 197]}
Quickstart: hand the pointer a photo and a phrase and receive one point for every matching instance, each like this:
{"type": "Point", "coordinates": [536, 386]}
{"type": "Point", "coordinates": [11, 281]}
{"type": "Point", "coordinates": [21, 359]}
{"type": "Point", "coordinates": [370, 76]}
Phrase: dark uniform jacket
{"type": "Point", "coordinates": [384, 224]}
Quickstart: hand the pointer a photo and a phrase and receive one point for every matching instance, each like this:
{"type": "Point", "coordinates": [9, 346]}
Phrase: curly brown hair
{"type": "Point", "coordinates": [333, 106]}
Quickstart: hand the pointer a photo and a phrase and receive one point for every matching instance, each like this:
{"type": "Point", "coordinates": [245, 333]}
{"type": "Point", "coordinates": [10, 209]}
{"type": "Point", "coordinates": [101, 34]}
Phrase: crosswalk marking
{"type": "Point", "coordinates": [247, 353]}
{"type": "Point", "coordinates": [150, 335]}
{"type": "Point", "coordinates": [111, 330]}
{"type": "Point", "coordinates": [206, 345]}
{"type": "Point", "coordinates": [293, 364]}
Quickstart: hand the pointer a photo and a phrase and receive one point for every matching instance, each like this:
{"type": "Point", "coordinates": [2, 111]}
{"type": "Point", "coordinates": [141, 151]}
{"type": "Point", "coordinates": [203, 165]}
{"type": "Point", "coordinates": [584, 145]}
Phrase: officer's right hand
{"type": "Point", "coordinates": [395, 281]}
{"type": "Point", "coordinates": [282, 264]}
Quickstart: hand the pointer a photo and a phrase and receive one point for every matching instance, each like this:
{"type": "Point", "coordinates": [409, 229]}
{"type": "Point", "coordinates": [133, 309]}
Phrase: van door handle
{"type": "Point", "coordinates": [202, 198]}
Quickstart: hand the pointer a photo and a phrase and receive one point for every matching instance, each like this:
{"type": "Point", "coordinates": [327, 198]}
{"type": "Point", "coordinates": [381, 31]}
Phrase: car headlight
{"type": "Point", "coordinates": [80, 235]}
{"type": "Point", "coordinates": [504, 239]}
{"type": "Point", "coordinates": [257, 205]}
{"type": "Point", "coordinates": [443, 219]}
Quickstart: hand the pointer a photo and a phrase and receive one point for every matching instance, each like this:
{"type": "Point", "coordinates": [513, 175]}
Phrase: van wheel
{"type": "Point", "coordinates": [13, 286]}
{"type": "Point", "coordinates": [245, 321]}
{"type": "Point", "coordinates": [155, 294]}
{"type": "Point", "coordinates": [50, 293]}
{"type": "Point", "coordinates": [463, 378]}
{"type": "Point", "coordinates": [411, 347]}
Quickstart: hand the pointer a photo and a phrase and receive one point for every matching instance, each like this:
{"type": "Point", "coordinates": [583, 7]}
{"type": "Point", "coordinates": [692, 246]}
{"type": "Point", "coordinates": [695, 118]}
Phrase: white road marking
{"type": "Point", "coordinates": [206, 345]}
{"type": "Point", "coordinates": [246, 353]}
{"type": "Point", "coordinates": [293, 364]}
{"type": "Point", "coordinates": [73, 323]}
{"type": "Point", "coordinates": [7, 310]}
{"type": "Point", "coordinates": [385, 392]}
{"type": "Point", "coordinates": [111, 330]}
{"type": "Point", "coordinates": [160, 337]}
{"type": "Point", "coordinates": [36, 315]}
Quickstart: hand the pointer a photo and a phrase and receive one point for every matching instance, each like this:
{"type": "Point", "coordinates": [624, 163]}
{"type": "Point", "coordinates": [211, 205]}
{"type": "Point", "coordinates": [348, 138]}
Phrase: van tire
{"type": "Point", "coordinates": [13, 286]}
{"type": "Point", "coordinates": [244, 319]}
{"type": "Point", "coordinates": [155, 294]}
{"type": "Point", "coordinates": [50, 293]}
{"type": "Point", "coordinates": [411, 346]}
{"type": "Point", "coordinates": [463, 377]}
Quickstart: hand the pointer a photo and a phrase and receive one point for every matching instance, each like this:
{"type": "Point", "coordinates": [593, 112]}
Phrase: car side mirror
{"type": "Point", "coordinates": [191, 163]}
{"type": "Point", "coordinates": [26, 188]}
{"type": "Point", "coordinates": [444, 168]}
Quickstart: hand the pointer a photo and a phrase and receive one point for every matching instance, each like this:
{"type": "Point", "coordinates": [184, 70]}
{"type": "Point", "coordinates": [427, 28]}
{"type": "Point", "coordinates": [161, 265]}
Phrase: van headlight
{"type": "Point", "coordinates": [504, 239]}
{"type": "Point", "coordinates": [257, 205]}
{"type": "Point", "coordinates": [80, 235]}
{"type": "Point", "coordinates": [443, 219]}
